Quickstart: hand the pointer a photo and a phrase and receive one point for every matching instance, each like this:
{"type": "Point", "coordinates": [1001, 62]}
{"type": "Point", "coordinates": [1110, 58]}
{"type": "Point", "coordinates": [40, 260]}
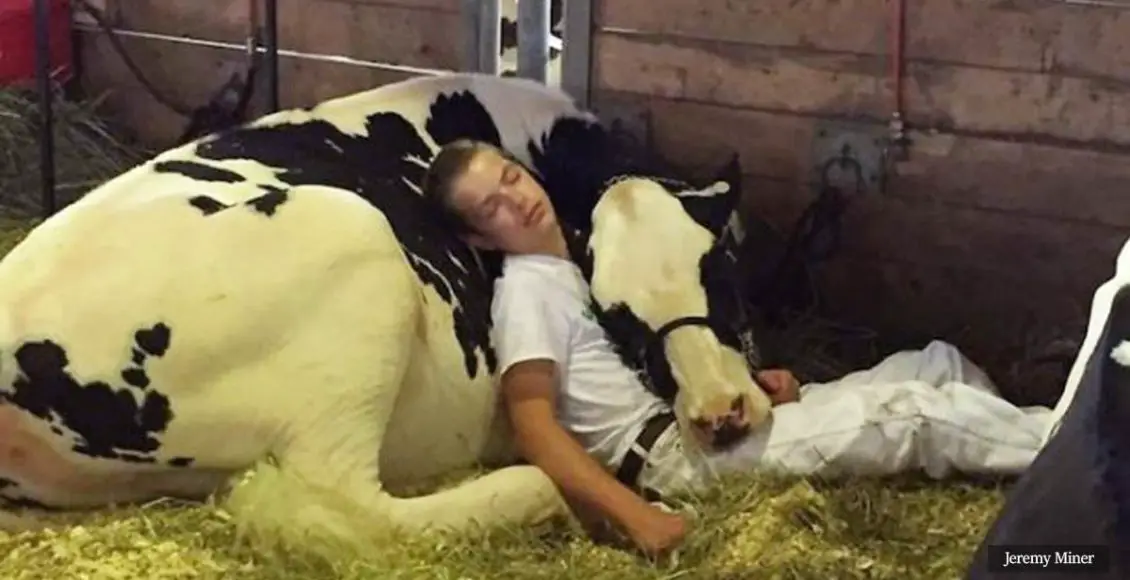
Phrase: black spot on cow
{"type": "Point", "coordinates": [269, 202]}
{"type": "Point", "coordinates": [181, 461]}
{"type": "Point", "coordinates": [385, 167]}
{"type": "Point", "coordinates": [507, 35]}
{"type": "Point", "coordinates": [12, 499]}
{"type": "Point", "coordinates": [509, 39]}
{"type": "Point", "coordinates": [461, 116]}
{"type": "Point", "coordinates": [207, 205]}
{"type": "Point", "coordinates": [16, 503]}
{"type": "Point", "coordinates": [155, 340]}
{"type": "Point", "coordinates": [197, 171]}
{"type": "Point", "coordinates": [136, 377]}
{"type": "Point", "coordinates": [107, 422]}
{"type": "Point", "coordinates": [508, 28]}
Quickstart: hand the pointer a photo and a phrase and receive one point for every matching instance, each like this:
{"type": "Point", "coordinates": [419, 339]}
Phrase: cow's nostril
{"type": "Point", "coordinates": [703, 423]}
{"type": "Point", "coordinates": [729, 434]}
{"type": "Point", "coordinates": [738, 404]}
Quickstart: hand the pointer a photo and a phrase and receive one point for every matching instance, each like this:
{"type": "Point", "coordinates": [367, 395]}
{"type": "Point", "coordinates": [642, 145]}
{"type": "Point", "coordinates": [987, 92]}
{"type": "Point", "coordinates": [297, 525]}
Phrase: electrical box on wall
{"type": "Point", "coordinates": [851, 156]}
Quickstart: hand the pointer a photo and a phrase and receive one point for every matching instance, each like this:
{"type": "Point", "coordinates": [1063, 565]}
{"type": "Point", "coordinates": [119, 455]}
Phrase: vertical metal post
{"type": "Point", "coordinates": [271, 56]}
{"type": "Point", "coordinates": [46, 109]}
{"type": "Point", "coordinates": [482, 26]}
{"type": "Point", "coordinates": [576, 63]}
{"type": "Point", "coordinates": [533, 39]}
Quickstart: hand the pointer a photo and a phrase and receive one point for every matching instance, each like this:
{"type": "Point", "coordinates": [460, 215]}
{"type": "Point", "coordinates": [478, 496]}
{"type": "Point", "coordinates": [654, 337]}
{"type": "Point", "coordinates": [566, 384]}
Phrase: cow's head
{"type": "Point", "coordinates": [664, 285]}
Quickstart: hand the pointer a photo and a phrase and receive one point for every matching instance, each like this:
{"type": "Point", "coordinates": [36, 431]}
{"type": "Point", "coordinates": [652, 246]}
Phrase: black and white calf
{"type": "Point", "coordinates": [508, 47]}
{"type": "Point", "coordinates": [276, 301]}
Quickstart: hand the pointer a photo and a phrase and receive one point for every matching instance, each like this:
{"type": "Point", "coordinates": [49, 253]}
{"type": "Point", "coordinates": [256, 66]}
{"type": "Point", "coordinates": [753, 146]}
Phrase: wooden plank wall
{"type": "Point", "coordinates": [420, 33]}
{"type": "Point", "coordinates": [1017, 194]}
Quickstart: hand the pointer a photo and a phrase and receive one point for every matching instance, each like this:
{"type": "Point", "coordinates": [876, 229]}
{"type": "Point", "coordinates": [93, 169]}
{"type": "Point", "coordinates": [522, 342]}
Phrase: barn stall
{"type": "Point", "coordinates": [985, 134]}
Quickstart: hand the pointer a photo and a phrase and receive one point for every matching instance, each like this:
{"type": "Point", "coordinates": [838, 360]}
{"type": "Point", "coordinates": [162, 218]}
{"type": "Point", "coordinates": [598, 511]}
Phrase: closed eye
{"type": "Point", "coordinates": [488, 208]}
{"type": "Point", "coordinates": [510, 174]}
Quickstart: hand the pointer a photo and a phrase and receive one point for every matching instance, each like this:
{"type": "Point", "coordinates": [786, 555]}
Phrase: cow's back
{"type": "Point", "coordinates": [136, 302]}
{"type": "Point", "coordinates": [160, 321]}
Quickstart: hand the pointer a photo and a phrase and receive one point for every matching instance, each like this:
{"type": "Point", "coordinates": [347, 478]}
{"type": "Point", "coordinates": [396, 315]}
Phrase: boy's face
{"type": "Point", "coordinates": [505, 205]}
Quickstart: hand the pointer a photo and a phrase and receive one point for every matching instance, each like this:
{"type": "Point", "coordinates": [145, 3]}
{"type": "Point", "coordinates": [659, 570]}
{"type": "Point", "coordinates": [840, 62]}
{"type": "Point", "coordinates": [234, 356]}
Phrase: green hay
{"type": "Point", "coordinates": [87, 151]}
{"type": "Point", "coordinates": [753, 527]}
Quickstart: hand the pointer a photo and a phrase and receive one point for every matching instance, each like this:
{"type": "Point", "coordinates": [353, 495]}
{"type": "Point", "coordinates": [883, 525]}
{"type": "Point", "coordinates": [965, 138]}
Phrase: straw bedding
{"type": "Point", "coordinates": [756, 527]}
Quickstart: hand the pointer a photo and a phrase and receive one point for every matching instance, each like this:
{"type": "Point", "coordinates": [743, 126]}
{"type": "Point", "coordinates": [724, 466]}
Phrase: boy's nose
{"type": "Point", "coordinates": [517, 200]}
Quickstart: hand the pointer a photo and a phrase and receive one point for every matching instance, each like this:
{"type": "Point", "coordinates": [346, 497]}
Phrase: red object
{"type": "Point", "coordinates": [897, 45]}
{"type": "Point", "coordinates": [17, 41]}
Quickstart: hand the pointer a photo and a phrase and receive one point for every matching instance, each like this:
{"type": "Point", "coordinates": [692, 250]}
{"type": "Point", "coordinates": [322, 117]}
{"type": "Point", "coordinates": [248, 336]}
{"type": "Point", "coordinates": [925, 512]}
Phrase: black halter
{"type": "Point", "coordinates": [654, 349]}
{"type": "Point", "coordinates": [661, 334]}
{"type": "Point", "coordinates": [644, 358]}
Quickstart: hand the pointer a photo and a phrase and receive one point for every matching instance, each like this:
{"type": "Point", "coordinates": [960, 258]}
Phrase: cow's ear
{"type": "Point", "coordinates": [714, 202]}
{"type": "Point", "coordinates": [731, 173]}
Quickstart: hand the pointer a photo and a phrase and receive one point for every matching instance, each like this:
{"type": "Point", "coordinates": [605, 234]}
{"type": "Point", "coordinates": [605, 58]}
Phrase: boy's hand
{"type": "Point", "coordinates": [781, 386]}
{"type": "Point", "coordinates": [656, 531]}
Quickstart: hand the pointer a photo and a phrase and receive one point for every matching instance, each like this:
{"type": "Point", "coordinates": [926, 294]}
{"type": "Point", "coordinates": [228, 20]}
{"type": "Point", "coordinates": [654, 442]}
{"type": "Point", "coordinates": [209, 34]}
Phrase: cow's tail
{"type": "Point", "coordinates": [278, 510]}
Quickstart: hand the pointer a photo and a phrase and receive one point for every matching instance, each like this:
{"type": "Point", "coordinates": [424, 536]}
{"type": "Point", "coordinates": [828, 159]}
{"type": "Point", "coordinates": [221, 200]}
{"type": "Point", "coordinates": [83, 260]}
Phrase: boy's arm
{"type": "Point", "coordinates": [532, 340]}
{"type": "Point", "coordinates": [529, 392]}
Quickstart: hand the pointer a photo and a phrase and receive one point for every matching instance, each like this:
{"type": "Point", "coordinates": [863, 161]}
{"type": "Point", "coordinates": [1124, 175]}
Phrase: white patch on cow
{"type": "Point", "coordinates": [736, 228]}
{"type": "Point", "coordinates": [1101, 304]}
{"type": "Point", "coordinates": [1121, 353]}
{"type": "Point", "coordinates": [335, 146]}
{"type": "Point", "coordinates": [717, 188]}
{"type": "Point", "coordinates": [659, 279]}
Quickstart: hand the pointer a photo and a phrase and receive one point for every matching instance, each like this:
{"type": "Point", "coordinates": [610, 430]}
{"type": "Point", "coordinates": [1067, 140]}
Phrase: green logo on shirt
{"type": "Point", "coordinates": [588, 311]}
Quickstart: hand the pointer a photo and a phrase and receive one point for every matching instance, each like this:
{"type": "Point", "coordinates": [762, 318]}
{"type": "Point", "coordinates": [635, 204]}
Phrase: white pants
{"type": "Point", "coordinates": [931, 409]}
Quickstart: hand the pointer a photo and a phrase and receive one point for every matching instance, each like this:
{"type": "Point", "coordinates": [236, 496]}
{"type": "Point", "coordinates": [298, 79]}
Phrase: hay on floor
{"type": "Point", "coordinates": [763, 528]}
{"type": "Point", "coordinates": [756, 527]}
{"type": "Point", "coordinates": [87, 151]}
{"type": "Point", "coordinates": [749, 528]}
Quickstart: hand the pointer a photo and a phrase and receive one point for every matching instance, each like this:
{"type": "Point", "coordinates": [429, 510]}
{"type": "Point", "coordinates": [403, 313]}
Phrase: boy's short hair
{"type": "Point", "coordinates": [438, 187]}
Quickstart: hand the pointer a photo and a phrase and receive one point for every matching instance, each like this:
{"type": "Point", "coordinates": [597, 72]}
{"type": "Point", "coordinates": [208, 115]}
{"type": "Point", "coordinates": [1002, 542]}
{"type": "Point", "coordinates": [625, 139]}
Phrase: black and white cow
{"type": "Point", "coordinates": [276, 301]}
{"type": "Point", "coordinates": [1076, 494]}
{"type": "Point", "coordinates": [508, 45]}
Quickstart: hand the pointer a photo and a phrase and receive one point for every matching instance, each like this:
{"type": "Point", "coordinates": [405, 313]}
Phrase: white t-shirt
{"type": "Point", "coordinates": [540, 311]}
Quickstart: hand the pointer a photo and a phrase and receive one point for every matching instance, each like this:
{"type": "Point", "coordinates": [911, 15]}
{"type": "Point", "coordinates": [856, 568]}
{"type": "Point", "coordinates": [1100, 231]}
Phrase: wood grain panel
{"type": "Point", "coordinates": [1000, 314]}
{"type": "Point", "coordinates": [1028, 179]}
{"type": "Point", "coordinates": [1038, 250]}
{"type": "Point", "coordinates": [441, 5]}
{"type": "Point", "coordinates": [187, 74]}
{"type": "Point", "coordinates": [219, 20]}
{"type": "Point", "coordinates": [377, 32]}
{"type": "Point", "coordinates": [396, 32]}
{"type": "Point", "coordinates": [191, 73]}
{"type": "Point", "coordinates": [1036, 35]}
{"type": "Point", "coordinates": [1036, 106]}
